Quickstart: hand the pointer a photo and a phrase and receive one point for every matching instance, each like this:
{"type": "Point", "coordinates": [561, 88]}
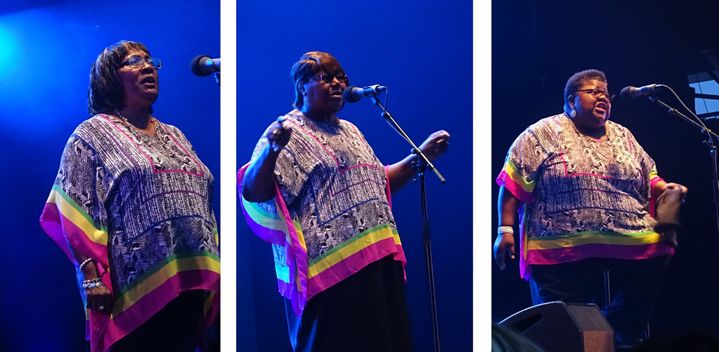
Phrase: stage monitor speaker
{"type": "Point", "coordinates": [563, 327]}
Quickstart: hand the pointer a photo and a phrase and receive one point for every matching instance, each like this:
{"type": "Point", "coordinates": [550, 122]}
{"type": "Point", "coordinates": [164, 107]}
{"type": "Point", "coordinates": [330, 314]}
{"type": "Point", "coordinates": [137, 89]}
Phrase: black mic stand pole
{"type": "Point", "coordinates": [709, 142]}
{"type": "Point", "coordinates": [420, 163]}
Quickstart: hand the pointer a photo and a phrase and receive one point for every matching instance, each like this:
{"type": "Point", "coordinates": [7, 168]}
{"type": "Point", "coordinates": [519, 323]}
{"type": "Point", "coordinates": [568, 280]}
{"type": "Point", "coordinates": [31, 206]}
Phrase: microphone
{"type": "Point", "coordinates": [631, 92]}
{"type": "Point", "coordinates": [203, 65]}
{"type": "Point", "coordinates": [353, 94]}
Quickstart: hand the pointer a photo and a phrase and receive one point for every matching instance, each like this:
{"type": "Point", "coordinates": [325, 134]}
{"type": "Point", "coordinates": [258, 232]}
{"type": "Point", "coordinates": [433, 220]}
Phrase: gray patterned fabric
{"type": "Point", "coordinates": [153, 194]}
{"type": "Point", "coordinates": [583, 184]}
{"type": "Point", "coordinates": [332, 183]}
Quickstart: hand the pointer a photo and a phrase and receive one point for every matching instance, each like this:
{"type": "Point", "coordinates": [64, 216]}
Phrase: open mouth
{"type": "Point", "coordinates": [148, 80]}
{"type": "Point", "coordinates": [337, 92]}
{"type": "Point", "coordinates": [601, 107]}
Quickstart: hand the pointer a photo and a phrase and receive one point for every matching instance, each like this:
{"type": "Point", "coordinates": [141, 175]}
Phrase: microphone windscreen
{"type": "Point", "coordinates": [627, 93]}
{"type": "Point", "coordinates": [197, 65]}
{"type": "Point", "coordinates": [349, 96]}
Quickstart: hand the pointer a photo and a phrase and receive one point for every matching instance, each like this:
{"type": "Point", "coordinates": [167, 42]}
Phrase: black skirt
{"type": "Point", "coordinates": [365, 312]}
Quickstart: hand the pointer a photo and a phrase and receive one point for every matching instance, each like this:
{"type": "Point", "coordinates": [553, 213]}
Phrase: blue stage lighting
{"type": "Point", "coordinates": [8, 49]}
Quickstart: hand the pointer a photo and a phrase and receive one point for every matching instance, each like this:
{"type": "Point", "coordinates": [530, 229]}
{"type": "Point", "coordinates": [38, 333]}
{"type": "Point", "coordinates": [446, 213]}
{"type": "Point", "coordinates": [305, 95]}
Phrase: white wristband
{"type": "Point", "coordinates": [505, 229]}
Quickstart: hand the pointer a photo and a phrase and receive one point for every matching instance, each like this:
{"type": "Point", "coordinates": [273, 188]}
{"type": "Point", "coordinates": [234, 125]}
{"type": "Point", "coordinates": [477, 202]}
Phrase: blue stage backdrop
{"type": "Point", "coordinates": [422, 51]}
{"type": "Point", "coordinates": [46, 49]}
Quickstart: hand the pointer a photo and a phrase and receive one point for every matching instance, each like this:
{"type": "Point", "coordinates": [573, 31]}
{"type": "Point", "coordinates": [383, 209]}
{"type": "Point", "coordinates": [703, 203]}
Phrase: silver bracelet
{"type": "Point", "coordinates": [92, 283]}
{"type": "Point", "coordinates": [505, 229]}
{"type": "Point", "coordinates": [84, 262]}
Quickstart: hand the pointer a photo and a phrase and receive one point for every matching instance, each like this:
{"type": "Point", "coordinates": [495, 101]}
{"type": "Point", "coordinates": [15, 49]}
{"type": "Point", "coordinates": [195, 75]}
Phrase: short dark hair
{"type": "Point", "coordinates": [106, 93]}
{"type": "Point", "coordinates": [310, 64]}
{"type": "Point", "coordinates": [576, 81]}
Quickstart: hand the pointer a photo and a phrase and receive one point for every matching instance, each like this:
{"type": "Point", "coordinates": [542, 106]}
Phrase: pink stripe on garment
{"type": "Point", "coordinates": [311, 135]}
{"type": "Point", "coordinates": [577, 174]}
{"type": "Point", "coordinates": [655, 180]}
{"type": "Point", "coordinates": [350, 186]}
{"type": "Point", "coordinates": [355, 263]}
{"type": "Point", "coordinates": [51, 223]}
{"type": "Point", "coordinates": [505, 180]}
{"type": "Point", "coordinates": [371, 166]}
{"type": "Point", "coordinates": [197, 162]}
{"type": "Point", "coordinates": [62, 231]}
{"type": "Point", "coordinates": [148, 157]}
{"type": "Point", "coordinates": [129, 320]}
{"type": "Point", "coordinates": [296, 260]}
{"type": "Point", "coordinates": [285, 288]}
{"type": "Point", "coordinates": [295, 255]}
{"type": "Point", "coordinates": [572, 254]}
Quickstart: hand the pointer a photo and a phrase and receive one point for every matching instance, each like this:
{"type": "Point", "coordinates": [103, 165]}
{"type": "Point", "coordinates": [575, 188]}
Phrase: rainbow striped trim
{"type": "Point", "coordinates": [594, 237]}
{"type": "Point", "coordinates": [513, 181]}
{"type": "Point", "coordinates": [130, 312]}
{"type": "Point", "coordinates": [204, 261]}
{"type": "Point", "coordinates": [75, 232]}
{"type": "Point", "coordinates": [299, 280]}
{"type": "Point", "coordinates": [73, 228]}
{"type": "Point", "coordinates": [592, 244]}
{"type": "Point", "coordinates": [365, 248]}
{"type": "Point", "coordinates": [279, 229]}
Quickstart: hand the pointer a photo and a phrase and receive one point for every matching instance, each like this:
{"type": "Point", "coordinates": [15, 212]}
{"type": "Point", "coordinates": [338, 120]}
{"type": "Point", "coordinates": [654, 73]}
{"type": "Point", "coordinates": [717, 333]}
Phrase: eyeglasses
{"type": "Point", "coordinates": [137, 61]}
{"type": "Point", "coordinates": [328, 78]}
{"type": "Point", "coordinates": [596, 93]}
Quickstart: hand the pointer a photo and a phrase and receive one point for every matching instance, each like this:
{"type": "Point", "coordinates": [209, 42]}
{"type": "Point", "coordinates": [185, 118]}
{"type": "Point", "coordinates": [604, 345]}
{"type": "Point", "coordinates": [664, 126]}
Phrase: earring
{"type": "Point", "coordinates": [572, 112]}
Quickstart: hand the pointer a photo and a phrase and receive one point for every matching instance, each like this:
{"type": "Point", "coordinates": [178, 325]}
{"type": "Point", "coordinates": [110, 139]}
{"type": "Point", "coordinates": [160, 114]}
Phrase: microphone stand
{"type": "Point", "coordinates": [217, 78]}
{"type": "Point", "coordinates": [709, 142]}
{"type": "Point", "coordinates": [420, 163]}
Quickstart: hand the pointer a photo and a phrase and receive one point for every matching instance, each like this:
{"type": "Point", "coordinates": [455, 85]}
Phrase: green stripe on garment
{"type": "Point", "coordinates": [591, 237]}
{"type": "Point", "coordinates": [262, 217]}
{"type": "Point", "coordinates": [163, 263]}
{"type": "Point", "coordinates": [350, 241]}
{"type": "Point", "coordinates": [71, 202]}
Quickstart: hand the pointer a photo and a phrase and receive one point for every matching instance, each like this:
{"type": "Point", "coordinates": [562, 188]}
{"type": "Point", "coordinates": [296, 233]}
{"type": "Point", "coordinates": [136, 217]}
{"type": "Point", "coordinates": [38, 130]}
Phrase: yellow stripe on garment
{"type": "Point", "coordinates": [300, 235]}
{"type": "Point", "coordinates": [595, 238]}
{"type": "Point", "coordinates": [512, 171]}
{"type": "Point", "coordinates": [353, 246]}
{"type": "Point", "coordinates": [653, 174]}
{"type": "Point", "coordinates": [72, 211]}
{"type": "Point", "coordinates": [295, 223]}
{"type": "Point", "coordinates": [157, 278]}
{"type": "Point", "coordinates": [654, 178]}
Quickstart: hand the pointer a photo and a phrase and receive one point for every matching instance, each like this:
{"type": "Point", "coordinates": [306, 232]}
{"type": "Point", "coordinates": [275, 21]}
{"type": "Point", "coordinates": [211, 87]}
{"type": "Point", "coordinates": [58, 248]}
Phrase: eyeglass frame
{"type": "Point", "coordinates": [322, 77]}
{"type": "Point", "coordinates": [153, 61]}
{"type": "Point", "coordinates": [596, 93]}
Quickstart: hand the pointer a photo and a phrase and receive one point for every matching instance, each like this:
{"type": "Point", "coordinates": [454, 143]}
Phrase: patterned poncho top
{"type": "Point", "coordinates": [581, 197]}
{"type": "Point", "coordinates": [141, 206]}
{"type": "Point", "coordinates": [331, 213]}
